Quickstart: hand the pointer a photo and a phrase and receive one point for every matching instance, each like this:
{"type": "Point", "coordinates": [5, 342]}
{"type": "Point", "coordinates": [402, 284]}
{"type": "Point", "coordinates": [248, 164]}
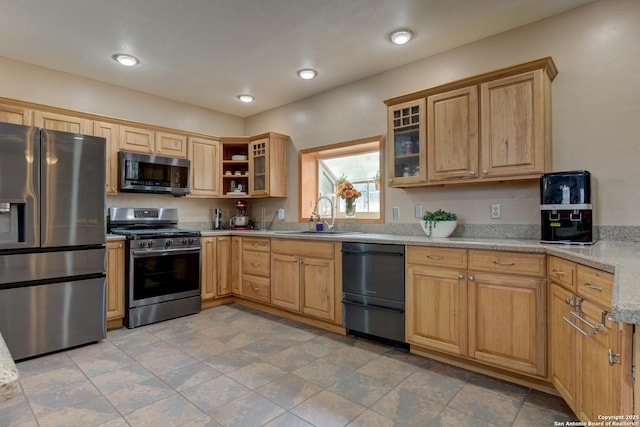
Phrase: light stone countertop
{"type": "Point", "coordinates": [620, 258]}
{"type": "Point", "coordinates": [8, 373]}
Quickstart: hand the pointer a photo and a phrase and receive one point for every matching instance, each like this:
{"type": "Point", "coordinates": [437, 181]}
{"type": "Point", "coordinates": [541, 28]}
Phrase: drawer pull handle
{"type": "Point", "coordinates": [255, 289]}
{"type": "Point", "coordinates": [504, 263]}
{"type": "Point", "coordinates": [594, 287]}
{"type": "Point", "coordinates": [558, 272]}
{"type": "Point", "coordinates": [255, 264]}
{"type": "Point", "coordinates": [612, 358]}
{"type": "Point", "coordinates": [435, 257]}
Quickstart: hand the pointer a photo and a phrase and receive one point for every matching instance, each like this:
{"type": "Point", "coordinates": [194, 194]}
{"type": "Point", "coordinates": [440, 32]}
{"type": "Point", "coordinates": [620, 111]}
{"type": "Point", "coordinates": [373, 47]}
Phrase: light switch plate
{"type": "Point", "coordinates": [396, 212]}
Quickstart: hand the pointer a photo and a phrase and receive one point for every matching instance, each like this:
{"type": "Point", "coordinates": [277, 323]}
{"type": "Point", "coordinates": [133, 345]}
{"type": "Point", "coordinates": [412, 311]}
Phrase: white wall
{"type": "Point", "coordinates": [596, 108]}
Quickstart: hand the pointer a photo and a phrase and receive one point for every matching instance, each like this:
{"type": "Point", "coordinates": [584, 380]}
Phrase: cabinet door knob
{"type": "Point", "coordinates": [471, 278]}
{"type": "Point", "coordinates": [485, 172]}
{"type": "Point", "coordinates": [460, 276]}
{"type": "Point", "coordinates": [472, 173]}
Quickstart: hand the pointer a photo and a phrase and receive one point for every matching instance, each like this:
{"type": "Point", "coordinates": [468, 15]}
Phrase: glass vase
{"type": "Point", "coordinates": [350, 208]}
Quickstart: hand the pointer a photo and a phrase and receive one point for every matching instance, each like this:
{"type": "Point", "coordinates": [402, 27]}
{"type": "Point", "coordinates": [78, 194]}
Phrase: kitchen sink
{"type": "Point", "coordinates": [316, 232]}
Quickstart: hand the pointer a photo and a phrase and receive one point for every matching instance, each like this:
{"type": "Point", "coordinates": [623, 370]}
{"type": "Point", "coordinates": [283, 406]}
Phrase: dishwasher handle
{"type": "Point", "coordinates": [373, 306]}
{"type": "Point", "coordinates": [348, 251]}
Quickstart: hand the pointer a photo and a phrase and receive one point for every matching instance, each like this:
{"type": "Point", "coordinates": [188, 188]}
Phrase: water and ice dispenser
{"type": "Point", "coordinates": [566, 207]}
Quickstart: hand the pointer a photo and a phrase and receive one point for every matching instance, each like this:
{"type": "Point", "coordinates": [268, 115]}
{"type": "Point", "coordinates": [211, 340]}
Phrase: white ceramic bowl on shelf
{"type": "Point", "coordinates": [239, 157]}
{"type": "Point", "coordinates": [439, 229]}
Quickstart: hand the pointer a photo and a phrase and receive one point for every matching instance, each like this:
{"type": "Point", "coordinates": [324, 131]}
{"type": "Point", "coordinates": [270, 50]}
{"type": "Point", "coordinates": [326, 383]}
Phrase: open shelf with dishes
{"type": "Point", "coordinates": [235, 167]}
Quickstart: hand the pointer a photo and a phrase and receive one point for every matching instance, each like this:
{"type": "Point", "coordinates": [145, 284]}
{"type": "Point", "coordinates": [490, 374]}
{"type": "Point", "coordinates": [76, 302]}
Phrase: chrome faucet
{"type": "Point", "coordinates": [333, 215]}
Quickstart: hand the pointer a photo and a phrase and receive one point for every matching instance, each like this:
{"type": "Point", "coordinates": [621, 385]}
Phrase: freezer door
{"type": "Point", "coordinates": [39, 319]}
{"type": "Point", "coordinates": [73, 189]}
{"type": "Point", "coordinates": [19, 186]}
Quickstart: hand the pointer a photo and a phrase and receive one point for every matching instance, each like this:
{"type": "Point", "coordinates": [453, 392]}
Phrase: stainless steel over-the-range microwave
{"type": "Point", "coordinates": [148, 173]}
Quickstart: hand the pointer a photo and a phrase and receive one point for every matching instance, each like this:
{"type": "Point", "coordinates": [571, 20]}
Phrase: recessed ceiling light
{"type": "Point", "coordinates": [245, 98]}
{"type": "Point", "coordinates": [307, 73]}
{"type": "Point", "coordinates": [126, 60]}
{"type": "Point", "coordinates": [401, 36]}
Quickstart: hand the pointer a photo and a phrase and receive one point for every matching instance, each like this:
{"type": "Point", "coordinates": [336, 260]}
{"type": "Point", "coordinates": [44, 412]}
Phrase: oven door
{"type": "Point", "coordinates": [159, 275]}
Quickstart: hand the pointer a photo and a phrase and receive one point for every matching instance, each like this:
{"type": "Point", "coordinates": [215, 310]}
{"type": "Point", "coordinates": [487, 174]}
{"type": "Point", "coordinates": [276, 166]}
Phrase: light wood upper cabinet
{"type": "Point", "coordinates": [267, 165]}
{"type": "Point", "coordinates": [170, 144]}
{"type": "Point", "coordinates": [204, 155]}
{"type": "Point", "coordinates": [452, 140]}
{"type": "Point", "coordinates": [115, 283]}
{"type": "Point", "coordinates": [516, 125]}
{"type": "Point", "coordinates": [61, 122]}
{"type": "Point", "coordinates": [16, 115]}
{"type": "Point", "coordinates": [491, 127]}
{"type": "Point", "coordinates": [109, 131]}
{"type": "Point", "coordinates": [135, 139]}
{"type": "Point", "coordinates": [406, 123]}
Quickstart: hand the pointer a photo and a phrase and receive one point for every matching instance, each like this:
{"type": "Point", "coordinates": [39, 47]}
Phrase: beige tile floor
{"type": "Point", "coordinates": [235, 366]}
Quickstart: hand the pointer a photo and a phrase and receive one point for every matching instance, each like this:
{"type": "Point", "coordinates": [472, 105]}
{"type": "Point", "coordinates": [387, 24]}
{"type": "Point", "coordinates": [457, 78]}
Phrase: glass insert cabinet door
{"type": "Point", "coordinates": [259, 153]}
{"type": "Point", "coordinates": [407, 148]}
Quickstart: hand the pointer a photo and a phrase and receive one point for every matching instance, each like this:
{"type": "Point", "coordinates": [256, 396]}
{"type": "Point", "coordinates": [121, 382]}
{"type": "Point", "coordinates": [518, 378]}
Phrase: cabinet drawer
{"type": "Point", "coordinates": [256, 244]}
{"type": "Point", "coordinates": [441, 257]}
{"type": "Point", "coordinates": [303, 248]}
{"type": "Point", "coordinates": [256, 263]}
{"type": "Point", "coordinates": [595, 285]}
{"type": "Point", "coordinates": [519, 263]}
{"type": "Point", "coordinates": [256, 288]}
{"type": "Point", "coordinates": [562, 272]}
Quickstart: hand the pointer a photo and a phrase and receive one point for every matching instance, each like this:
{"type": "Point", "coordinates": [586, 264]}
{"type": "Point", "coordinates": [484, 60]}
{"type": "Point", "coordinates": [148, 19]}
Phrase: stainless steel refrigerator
{"type": "Point", "coordinates": [52, 239]}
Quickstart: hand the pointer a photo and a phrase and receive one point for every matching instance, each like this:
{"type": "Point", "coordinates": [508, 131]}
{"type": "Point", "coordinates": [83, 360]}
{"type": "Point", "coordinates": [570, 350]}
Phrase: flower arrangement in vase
{"type": "Point", "coordinates": [349, 193]}
{"type": "Point", "coordinates": [439, 223]}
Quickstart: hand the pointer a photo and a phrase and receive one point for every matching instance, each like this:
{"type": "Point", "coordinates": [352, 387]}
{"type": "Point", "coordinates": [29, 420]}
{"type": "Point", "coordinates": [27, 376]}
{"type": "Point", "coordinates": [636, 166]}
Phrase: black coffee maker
{"type": "Point", "coordinates": [566, 208]}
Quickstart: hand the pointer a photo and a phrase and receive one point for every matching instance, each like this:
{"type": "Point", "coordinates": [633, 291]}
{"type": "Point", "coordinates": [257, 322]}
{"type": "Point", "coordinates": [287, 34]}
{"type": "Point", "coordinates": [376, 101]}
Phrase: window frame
{"type": "Point", "coordinates": [308, 172]}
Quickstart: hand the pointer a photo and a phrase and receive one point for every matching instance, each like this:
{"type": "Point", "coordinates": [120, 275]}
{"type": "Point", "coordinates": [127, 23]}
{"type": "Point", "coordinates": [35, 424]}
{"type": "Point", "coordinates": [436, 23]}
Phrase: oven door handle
{"type": "Point", "coordinates": [163, 252]}
{"type": "Point", "coordinates": [373, 306]}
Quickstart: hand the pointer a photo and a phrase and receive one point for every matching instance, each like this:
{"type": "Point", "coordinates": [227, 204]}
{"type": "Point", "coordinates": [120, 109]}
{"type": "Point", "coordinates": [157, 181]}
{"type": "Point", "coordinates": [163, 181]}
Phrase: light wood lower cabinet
{"type": "Point", "coordinates": [256, 269]}
{"type": "Point", "coordinates": [115, 283]}
{"type": "Point", "coordinates": [507, 322]}
{"type": "Point", "coordinates": [215, 267]}
{"type": "Point", "coordinates": [436, 294]}
{"type": "Point", "coordinates": [463, 302]}
{"type": "Point", "coordinates": [304, 277]}
{"type": "Point", "coordinates": [209, 258]}
{"type": "Point", "coordinates": [590, 356]}
{"type": "Point", "coordinates": [236, 265]}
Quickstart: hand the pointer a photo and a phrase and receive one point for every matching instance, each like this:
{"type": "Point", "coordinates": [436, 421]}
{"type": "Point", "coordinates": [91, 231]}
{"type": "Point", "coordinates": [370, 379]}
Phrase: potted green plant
{"type": "Point", "coordinates": [376, 180]}
{"type": "Point", "coordinates": [439, 223]}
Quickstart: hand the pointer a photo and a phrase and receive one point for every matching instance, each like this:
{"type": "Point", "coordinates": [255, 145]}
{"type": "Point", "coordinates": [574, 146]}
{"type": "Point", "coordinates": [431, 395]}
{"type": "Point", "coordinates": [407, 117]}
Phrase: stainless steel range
{"type": "Point", "coordinates": [162, 264]}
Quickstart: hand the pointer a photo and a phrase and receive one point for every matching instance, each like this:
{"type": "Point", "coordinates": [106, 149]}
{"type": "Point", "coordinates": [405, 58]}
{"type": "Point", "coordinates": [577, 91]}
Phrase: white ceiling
{"type": "Point", "coordinates": [206, 52]}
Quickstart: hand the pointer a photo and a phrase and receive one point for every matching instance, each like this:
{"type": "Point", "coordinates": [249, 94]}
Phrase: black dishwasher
{"type": "Point", "coordinates": [373, 289]}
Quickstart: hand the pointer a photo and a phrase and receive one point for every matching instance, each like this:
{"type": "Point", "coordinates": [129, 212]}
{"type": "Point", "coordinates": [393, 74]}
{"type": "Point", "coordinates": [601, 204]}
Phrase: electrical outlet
{"type": "Point", "coordinates": [496, 211]}
{"type": "Point", "coordinates": [396, 212]}
{"type": "Point", "coordinates": [281, 214]}
{"type": "Point", "coordinates": [418, 212]}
